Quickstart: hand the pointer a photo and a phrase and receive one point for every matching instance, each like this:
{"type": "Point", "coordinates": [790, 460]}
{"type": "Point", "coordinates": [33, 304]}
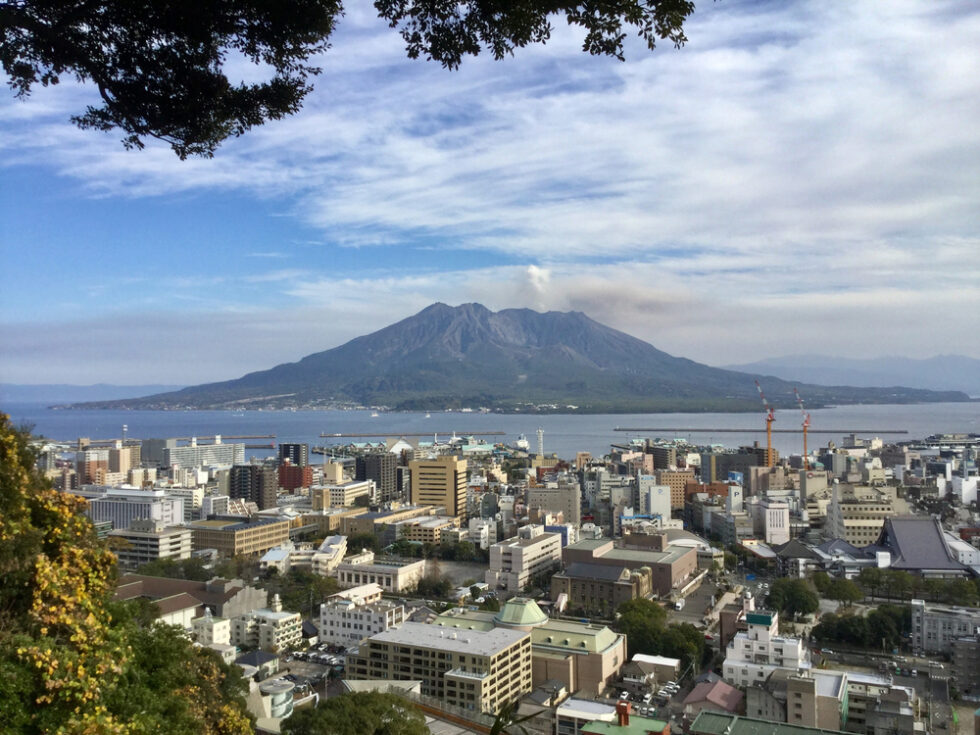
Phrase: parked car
{"type": "Point", "coordinates": [647, 697]}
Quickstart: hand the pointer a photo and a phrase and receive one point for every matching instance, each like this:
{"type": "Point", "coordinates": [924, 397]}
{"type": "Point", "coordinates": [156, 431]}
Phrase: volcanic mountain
{"type": "Point", "coordinates": [468, 356]}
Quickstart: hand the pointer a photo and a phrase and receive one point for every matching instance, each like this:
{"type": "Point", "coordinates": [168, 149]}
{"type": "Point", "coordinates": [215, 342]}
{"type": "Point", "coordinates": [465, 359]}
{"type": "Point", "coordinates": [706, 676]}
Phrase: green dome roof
{"type": "Point", "coordinates": [520, 612]}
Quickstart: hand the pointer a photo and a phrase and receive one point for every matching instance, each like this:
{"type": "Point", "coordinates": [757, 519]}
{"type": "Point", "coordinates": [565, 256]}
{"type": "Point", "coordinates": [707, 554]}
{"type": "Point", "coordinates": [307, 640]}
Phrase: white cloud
{"type": "Point", "coordinates": [798, 173]}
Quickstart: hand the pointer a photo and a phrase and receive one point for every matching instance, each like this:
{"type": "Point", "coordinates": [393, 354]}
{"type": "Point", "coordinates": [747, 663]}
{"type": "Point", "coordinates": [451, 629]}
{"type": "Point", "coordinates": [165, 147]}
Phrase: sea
{"type": "Point", "coordinates": [563, 434]}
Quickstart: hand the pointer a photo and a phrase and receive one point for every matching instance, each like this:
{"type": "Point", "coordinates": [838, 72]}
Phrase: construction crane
{"type": "Point", "coordinates": [770, 417]}
{"type": "Point", "coordinates": [806, 426]}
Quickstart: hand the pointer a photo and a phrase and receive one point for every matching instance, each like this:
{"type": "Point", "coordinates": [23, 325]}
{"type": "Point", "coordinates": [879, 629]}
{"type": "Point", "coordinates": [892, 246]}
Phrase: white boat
{"type": "Point", "coordinates": [374, 414]}
{"type": "Point", "coordinates": [522, 443]}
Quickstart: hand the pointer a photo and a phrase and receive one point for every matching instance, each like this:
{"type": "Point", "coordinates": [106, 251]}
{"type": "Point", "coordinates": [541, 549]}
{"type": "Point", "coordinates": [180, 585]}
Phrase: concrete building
{"type": "Point", "coordinates": [562, 495]}
{"type": "Point", "coordinates": [381, 468]}
{"type": "Point", "coordinates": [145, 541]}
{"type": "Point", "coordinates": [812, 699]}
{"type": "Point", "coordinates": [293, 477]}
{"type": "Point", "coordinates": [226, 598]}
{"type": "Point", "coordinates": [583, 657]}
{"type": "Point", "coordinates": [655, 499]}
{"type": "Point", "coordinates": [297, 454]}
{"type": "Point", "coordinates": [857, 517]}
{"type": "Point", "coordinates": [214, 633]}
{"type": "Point", "coordinates": [670, 566]}
{"type": "Point", "coordinates": [391, 574]}
{"type": "Point", "coordinates": [480, 671]}
{"type": "Point", "coordinates": [514, 563]}
{"type": "Point", "coordinates": [203, 455]}
{"type": "Point", "coordinates": [677, 481]}
{"type": "Point", "coordinates": [598, 589]}
{"type": "Point", "coordinates": [440, 481]}
{"type": "Point", "coordinates": [341, 495]}
{"type": "Point", "coordinates": [427, 529]}
{"type": "Point", "coordinates": [877, 706]}
{"type": "Point", "coordinates": [256, 483]}
{"type": "Point", "coordinates": [91, 466]}
{"type": "Point", "coordinates": [935, 628]}
{"type": "Point", "coordinates": [718, 723]}
{"type": "Point", "coordinates": [754, 654]}
{"type": "Point", "coordinates": [346, 622]}
{"type": "Point", "coordinates": [124, 505]}
{"type": "Point", "coordinates": [269, 628]}
{"type": "Point", "coordinates": [234, 537]}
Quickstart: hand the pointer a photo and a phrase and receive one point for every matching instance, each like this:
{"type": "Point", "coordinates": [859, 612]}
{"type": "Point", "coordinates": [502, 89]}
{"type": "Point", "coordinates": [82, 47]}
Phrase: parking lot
{"type": "Point", "coordinates": [696, 605]}
{"type": "Point", "coordinates": [315, 670]}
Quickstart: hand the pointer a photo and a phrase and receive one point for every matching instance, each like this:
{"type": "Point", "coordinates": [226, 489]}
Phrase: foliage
{"type": "Point", "coordinates": [491, 604]}
{"type": "Point", "coordinates": [434, 586]}
{"type": "Point", "coordinates": [359, 713]}
{"type": "Point", "coordinates": [844, 591]}
{"type": "Point", "coordinates": [159, 67]}
{"type": "Point", "coordinates": [405, 548]}
{"type": "Point", "coordinates": [508, 722]}
{"type": "Point", "coordinates": [793, 597]}
{"type": "Point", "coordinates": [172, 686]}
{"type": "Point", "coordinates": [301, 590]}
{"type": "Point", "coordinates": [645, 624]}
{"type": "Point", "coordinates": [358, 541]}
{"type": "Point", "coordinates": [192, 569]}
{"type": "Point", "coordinates": [821, 580]}
{"type": "Point", "coordinates": [69, 657]}
{"type": "Point", "coordinates": [885, 626]}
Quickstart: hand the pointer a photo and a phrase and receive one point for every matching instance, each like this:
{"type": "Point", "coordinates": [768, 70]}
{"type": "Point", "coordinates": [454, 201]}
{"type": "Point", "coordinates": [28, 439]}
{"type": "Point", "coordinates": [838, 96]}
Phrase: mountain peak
{"type": "Point", "coordinates": [468, 355]}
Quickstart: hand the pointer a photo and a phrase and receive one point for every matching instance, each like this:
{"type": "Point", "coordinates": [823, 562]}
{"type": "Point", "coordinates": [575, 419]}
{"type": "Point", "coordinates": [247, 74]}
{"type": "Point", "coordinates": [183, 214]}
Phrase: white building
{"type": "Point", "coordinates": [204, 455]}
{"type": "Point", "coordinates": [483, 532]}
{"type": "Point", "coordinates": [269, 629]}
{"type": "Point", "coordinates": [775, 521]}
{"type": "Point", "coordinates": [514, 562]}
{"type": "Point", "coordinates": [209, 629]}
{"type": "Point", "coordinates": [654, 498]}
{"type": "Point", "coordinates": [124, 505]}
{"type": "Point", "coordinates": [754, 654]}
{"type": "Point", "coordinates": [347, 622]}
{"type": "Point", "coordinates": [148, 540]}
{"type": "Point", "coordinates": [392, 575]}
{"type": "Point", "coordinates": [936, 627]}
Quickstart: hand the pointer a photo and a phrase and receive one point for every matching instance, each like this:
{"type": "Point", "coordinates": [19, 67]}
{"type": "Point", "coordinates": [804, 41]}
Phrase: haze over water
{"type": "Point", "coordinates": [564, 434]}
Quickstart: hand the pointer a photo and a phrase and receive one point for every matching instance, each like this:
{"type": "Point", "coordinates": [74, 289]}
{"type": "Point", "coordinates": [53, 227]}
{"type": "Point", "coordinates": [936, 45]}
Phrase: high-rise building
{"type": "Point", "coordinates": [203, 455]}
{"type": "Point", "coordinates": [91, 466]}
{"type": "Point", "coordinates": [254, 482]}
{"type": "Point", "coordinates": [297, 454]}
{"type": "Point", "coordinates": [380, 467]}
{"type": "Point", "coordinates": [440, 481]}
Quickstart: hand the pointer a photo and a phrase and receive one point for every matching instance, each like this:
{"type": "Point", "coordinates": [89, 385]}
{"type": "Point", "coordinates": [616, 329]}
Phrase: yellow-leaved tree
{"type": "Point", "coordinates": [72, 662]}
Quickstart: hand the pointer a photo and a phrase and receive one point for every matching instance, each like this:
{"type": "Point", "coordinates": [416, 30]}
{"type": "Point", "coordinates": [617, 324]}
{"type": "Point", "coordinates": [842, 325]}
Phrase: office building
{"type": "Point", "coordinates": [381, 467]}
{"type": "Point", "coordinates": [91, 466]}
{"type": "Point", "coordinates": [518, 561]}
{"type": "Point", "coordinates": [147, 540]}
{"type": "Point", "coordinates": [677, 481]}
{"type": "Point", "coordinates": [393, 575]}
{"type": "Point", "coordinates": [935, 628]}
{"type": "Point", "coordinates": [479, 671]}
{"type": "Point", "coordinates": [297, 454]}
{"type": "Point", "coordinates": [239, 537]}
{"type": "Point", "coordinates": [562, 495]}
{"type": "Point", "coordinates": [346, 622]}
{"type": "Point", "coordinates": [440, 481]}
{"type": "Point", "coordinates": [670, 565]}
{"type": "Point", "coordinates": [124, 505]}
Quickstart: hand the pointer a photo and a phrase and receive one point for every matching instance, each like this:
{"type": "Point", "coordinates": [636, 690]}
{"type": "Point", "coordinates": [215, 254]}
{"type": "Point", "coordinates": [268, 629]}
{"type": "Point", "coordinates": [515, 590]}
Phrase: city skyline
{"type": "Point", "coordinates": [796, 179]}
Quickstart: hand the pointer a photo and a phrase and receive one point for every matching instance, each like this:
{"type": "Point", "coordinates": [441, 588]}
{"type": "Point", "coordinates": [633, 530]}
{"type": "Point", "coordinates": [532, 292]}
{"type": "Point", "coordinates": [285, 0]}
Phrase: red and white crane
{"type": "Point", "coordinates": [806, 426]}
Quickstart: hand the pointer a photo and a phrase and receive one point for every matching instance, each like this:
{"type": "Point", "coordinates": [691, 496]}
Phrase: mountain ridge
{"type": "Point", "coordinates": [513, 359]}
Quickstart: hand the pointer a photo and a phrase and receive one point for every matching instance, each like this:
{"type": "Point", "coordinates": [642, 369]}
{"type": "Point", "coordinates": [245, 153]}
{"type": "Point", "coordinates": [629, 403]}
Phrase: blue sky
{"type": "Point", "coordinates": [799, 178]}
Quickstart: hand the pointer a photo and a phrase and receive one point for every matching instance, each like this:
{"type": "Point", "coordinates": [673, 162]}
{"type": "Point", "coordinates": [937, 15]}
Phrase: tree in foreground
{"type": "Point", "coordinates": [159, 65]}
{"type": "Point", "coordinates": [71, 660]}
{"type": "Point", "coordinates": [359, 713]}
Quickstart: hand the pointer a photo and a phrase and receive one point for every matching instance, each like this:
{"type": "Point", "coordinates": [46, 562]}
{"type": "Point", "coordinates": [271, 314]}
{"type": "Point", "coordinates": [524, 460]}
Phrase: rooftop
{"type": "Point", "coordinates": [637, 726]}
{"type": "Point", "coordinates": [476, 642]}
{"type": "Point", "coordinates": [716, 723]}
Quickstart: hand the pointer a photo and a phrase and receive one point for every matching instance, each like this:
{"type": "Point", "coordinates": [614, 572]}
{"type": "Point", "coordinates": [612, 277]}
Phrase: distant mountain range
{"type": "Point", "coordinates": [515, 359]}
{"type": "Point", "coordinates": [65, 393]}
{"type": "Point", "coordinates": [944, 372]}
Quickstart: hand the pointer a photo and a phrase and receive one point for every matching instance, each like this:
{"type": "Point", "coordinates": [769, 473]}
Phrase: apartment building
{"type": "Point", "coordinates": [754, 654]}
{"type": "Point", "coordinates": [516, 561]}
{"type": "Point", "coordinates": [480, 671]}
{"type": "Point", "coordinates": [147, 540]}
{"type": "Point", "coordinates": [268, 629]}
{"type": "Point", "coordinates": [382, 468]}
{"type": "Point", "coordinates": [202, 455]}
{"type": "Point", "coordinates": [345, 622]}
{"type": "Point", "coordinates": [811, 699]}
{"type": "Point", "coordinates": [234, 537]}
